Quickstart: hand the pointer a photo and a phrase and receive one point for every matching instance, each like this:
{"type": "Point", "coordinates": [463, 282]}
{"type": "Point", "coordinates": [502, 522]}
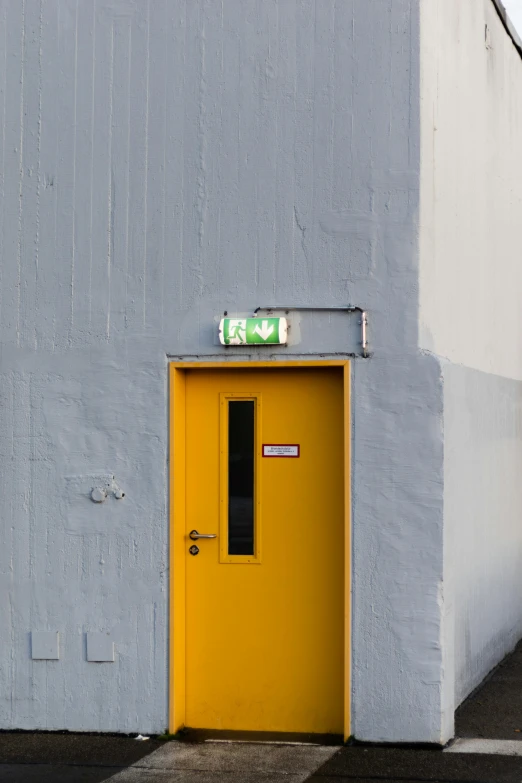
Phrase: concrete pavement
{"type": "Point", "coordinates": [245, 763]}
{"type": "Point", "coordinates": [51, 758]}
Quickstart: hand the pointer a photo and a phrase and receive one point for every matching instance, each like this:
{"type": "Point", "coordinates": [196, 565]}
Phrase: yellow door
{"type": "Point", "coordinates": [265, 597]}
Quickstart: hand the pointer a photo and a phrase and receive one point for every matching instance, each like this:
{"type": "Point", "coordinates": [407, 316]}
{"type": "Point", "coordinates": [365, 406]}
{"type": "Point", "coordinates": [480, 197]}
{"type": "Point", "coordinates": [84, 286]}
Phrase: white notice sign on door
{"type": "Point", "coordinates": [280, 450]}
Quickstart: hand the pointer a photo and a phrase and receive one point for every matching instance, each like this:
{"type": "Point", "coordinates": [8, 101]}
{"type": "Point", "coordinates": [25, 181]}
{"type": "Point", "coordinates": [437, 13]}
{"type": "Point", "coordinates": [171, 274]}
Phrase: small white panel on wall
{"type": "Point", "coordinates": [100, 648]}
{"type": "Point", "coordinates": [44, 646]}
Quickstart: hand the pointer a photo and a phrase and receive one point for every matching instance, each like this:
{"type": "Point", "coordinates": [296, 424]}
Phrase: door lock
{"type": "Point", "coordinates": [194, 550]}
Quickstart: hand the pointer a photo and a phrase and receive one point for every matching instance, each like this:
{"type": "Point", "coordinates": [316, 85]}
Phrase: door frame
{"type": "Point", "coordinates": [177, 543]}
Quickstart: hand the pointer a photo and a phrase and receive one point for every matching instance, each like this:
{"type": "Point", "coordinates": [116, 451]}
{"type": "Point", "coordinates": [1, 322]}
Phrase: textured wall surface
{"type": "Point", "coordinates": [470, 315]}
{"type": "Point", "coordinates": [483, 499]}
{"type": "Point", "coordinates": [163, 161]}
{"type": "Point", "coordinates": [471, 187]}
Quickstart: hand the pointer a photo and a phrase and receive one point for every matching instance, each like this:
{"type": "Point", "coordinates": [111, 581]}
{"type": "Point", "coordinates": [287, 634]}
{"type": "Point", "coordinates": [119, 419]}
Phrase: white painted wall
{"type": "Point", "coordinates": [514, 10]}
{"type": "Point", "coordinates": [470, 317]}
{"type": "Point", "coordinates": [162, 162]}
{"type": "Point", "coordinates": [470, 275]}
{"type": "Point", "coordinates": [483, 519]}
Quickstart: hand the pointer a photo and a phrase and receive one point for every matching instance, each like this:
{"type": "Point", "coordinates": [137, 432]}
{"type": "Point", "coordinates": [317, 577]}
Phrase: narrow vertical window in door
{"type": "Point", "coordinates": [241, 466]}
{"type": "Point", "coordinates": [240, 422]}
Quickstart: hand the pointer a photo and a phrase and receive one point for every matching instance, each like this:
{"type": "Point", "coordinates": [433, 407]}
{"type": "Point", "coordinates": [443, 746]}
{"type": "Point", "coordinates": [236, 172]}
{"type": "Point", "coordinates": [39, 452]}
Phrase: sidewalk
{"type": "Point", "coordinates": [51, 758]}
{"type": "Point", "coordinates": [487, 750]}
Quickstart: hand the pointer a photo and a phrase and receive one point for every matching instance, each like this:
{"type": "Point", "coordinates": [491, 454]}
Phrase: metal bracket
{"type": "Point", "coordinates": [363, 323]}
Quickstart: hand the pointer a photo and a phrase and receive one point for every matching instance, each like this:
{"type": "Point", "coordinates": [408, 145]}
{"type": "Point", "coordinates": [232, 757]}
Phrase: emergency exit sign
{"type": "Point", "coordinates": [253, 331]}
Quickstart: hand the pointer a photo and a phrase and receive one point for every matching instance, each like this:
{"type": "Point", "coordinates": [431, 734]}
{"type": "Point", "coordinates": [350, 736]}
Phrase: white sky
{"type": "Point", "coordinates": [514, 9]}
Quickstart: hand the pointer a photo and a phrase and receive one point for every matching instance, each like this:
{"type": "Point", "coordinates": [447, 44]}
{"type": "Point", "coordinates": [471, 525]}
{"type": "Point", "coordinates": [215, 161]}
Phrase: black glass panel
{"type": "Point", "coordinates": [241, 477]}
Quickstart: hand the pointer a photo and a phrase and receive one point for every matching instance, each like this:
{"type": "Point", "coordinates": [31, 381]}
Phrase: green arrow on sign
{"type": "Point", "coordinates": [253, 331]}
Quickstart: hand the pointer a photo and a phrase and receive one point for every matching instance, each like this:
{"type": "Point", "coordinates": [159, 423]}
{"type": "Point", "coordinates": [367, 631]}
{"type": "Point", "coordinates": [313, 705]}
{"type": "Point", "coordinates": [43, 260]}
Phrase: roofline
{"type": "Point", "coordinates": [508, 25]}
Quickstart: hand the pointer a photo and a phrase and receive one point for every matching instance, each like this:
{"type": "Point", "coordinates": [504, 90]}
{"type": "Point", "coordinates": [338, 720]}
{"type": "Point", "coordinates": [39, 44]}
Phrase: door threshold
{"type": "Point", "coordinates": [264, 742]}
{"type": "Point", "coordinates": [259, 737]}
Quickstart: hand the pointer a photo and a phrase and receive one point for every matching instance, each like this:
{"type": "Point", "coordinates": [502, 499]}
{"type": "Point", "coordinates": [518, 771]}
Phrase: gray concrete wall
{"type": "Point", "coordinates": [163, 162]}
{"type": "Point", "coordinates": [470, 316]}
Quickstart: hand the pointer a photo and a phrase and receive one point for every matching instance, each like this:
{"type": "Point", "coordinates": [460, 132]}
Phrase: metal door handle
{"type": "Point", "coordinates": [194, 535]}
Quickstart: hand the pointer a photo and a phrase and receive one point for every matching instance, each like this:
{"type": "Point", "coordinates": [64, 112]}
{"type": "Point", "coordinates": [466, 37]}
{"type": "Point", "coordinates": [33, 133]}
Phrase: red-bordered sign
{"type": "Point", "coordinates": [291, 450]}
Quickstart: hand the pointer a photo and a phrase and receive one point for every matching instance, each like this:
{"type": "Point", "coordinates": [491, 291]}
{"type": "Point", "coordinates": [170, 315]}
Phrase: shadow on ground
{"type": "Point", "coordinates": [494, 710]}
{"type": "Point", "coordinates": [367, 765]}
{"type": "Point", "coordinates": [66, 758]}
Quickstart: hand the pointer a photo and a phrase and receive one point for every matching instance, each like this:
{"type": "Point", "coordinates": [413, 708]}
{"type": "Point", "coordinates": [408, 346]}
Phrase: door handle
{"type": "Point", "coordinates": [194, 535]}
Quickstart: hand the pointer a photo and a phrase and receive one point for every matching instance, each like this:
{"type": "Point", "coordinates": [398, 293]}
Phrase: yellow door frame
{"type": "Point", "coordinates": [177, 546]}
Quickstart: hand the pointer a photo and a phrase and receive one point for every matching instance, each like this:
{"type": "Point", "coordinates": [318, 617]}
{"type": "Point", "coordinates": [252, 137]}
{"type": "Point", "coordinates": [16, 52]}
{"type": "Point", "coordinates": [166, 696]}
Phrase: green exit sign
{"type": "Point", "coordinates": [253, 331]}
